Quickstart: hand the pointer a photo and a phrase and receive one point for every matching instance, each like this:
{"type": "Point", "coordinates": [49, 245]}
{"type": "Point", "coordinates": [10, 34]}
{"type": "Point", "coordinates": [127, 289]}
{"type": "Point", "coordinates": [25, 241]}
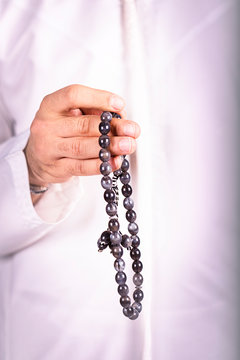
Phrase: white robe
{"type": "Point", "coordinates": [58, 297]}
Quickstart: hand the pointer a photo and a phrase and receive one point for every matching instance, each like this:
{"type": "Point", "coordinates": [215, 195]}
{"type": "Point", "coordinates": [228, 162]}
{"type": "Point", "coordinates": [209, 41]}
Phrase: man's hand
{"type": "Point", "coordinates": [64, 134]}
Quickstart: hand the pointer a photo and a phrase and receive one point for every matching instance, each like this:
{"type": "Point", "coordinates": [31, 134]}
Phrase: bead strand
{"type": "Point", "coordinates": [113, 237]}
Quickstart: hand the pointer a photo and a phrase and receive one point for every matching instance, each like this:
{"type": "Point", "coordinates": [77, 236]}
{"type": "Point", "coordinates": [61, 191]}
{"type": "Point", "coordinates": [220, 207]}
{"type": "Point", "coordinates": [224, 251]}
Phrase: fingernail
{"type": "Point", "coordinates": [124, 145]}
{"type": "Point", "coordinates": [116, 102]}
{"type": "Point", "coordinates": [129, 130]}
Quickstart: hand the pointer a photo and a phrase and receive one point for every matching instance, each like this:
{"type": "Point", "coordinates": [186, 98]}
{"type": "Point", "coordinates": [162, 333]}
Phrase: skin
{"type": "Point", "coordinates": [64, 135]}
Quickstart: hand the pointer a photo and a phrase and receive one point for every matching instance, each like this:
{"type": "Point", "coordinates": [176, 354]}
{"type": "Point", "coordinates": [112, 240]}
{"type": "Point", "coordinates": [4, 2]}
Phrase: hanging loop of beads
{"type": "Point", "coordinates": [112, 237]}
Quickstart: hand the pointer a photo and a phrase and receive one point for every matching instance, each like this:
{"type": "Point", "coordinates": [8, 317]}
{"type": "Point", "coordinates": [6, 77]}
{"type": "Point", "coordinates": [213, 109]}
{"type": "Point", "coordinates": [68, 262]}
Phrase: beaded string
{"type": "Point", "coordinates": [112, 237]}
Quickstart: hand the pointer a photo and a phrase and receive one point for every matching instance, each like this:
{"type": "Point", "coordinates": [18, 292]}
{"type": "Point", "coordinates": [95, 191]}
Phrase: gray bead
{"type": "Point", "coordinates": [111, 209]}
{"type": "Point", "coordinates": [104, 141]}
{"type": "Point", "coordinates": [125, 165]}
{"type": "Point", "coordinates": [128, 203]}
{"type": "Point", "coordinates": [104, 155]}
{"type": "Point", "coordinates": [128, 311]}
{"type": "Point", "coordinates": [117, 172]}
{"type": "Point", "coordinates": [138, 295]}
{"type": "Point", "coordinates": [121, 277]}
{"type": "Point", "coordinates": [137, 279]}
{"type": "Point", "coordinates": [137, 306]}
{"type": "Point", "coordinates": [117, 251]}
{"type": "Point", "coordinates": [125, 178]}
{"type": "Point", "coordinates": [133, 228]}
{"type": "Point", "coordinates": [104, 127]}
{"type": "Point", "coordinates": [109, 195]}
{"type": "Point", "coordinates": [126, 241]}
{"type": "Point", "coordinates": [123, 289]}
{"type": "Point", "coordinates": [135, 240]}
{"type": "Point", "coordinates": [113, 225]}
{"type": "Point", "coordinates": [125, 301]}
{"type": "Point", "coordinates": [135, 254]}
{"type": "Point", "coordinates": [119, 264]}
{"type": "Point", "coordinates": [106, 182]}
{"type": "Point", "coordinates": [131, 215]}
{"type": "Point", "coordinates": [137, 266]}
{"type": "Point", "coordinates": [105, 168]}
{"type": "Point", "coordinates": [134, 316]}
{"type": "Point", "coordinates": [106, 116]}
{"type": "Point", "coordinates": [115, 238]}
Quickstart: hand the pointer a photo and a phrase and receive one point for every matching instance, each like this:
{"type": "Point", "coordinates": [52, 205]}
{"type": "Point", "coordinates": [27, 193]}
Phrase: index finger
{"type": "Point", "coordinates": [80, 96]}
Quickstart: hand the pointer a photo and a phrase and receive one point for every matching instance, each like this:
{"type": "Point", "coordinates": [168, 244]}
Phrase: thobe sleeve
{"type": "Point", "coordinates": [21, 223]}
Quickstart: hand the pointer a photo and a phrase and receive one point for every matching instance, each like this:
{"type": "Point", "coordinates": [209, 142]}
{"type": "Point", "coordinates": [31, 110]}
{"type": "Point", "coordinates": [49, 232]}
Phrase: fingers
{"type": "Point", "coordinates": [76, 167]}
{"type": "Point", "coordinates": [79, 96]}
{"type": "Point", "coordinates": [88, 125]}
{"type": "Point", "coordinates": [88, 147]}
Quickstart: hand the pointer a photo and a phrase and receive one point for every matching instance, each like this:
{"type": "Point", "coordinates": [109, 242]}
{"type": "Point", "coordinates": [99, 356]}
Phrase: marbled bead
{"type": "Point", "coordinates": [125, 165]}
{"type": "Point", "coordinates": [104, 141]}
{"type": "Point", "coordinates": [104, 240]}
{"type": "Point", "coordinates": [125, 178]}
{"type": "Point", "coordinates": [119, 264]}
{"type": "Point", "coordinates": [125, 301]}
{"type": "Point", "coordinates": [106, 182]}
{"type": "Point", "coordinates": [120, 277]}
{"type": "Point", "coordinates": [111, 209]}
{"type": "Point", "coordinates": [131, 215]}
{"type": "Point", "coordinates": [115, 238]}
{"type": "Point", "coordinates": [109, 195]}
{"type": "Point", "coordinates": [106, 116]}
{"type": "Point", "coordinates": [133, 228]}
{"type": "Point", "coordinates": [127, 190]}
{"type": "Point", "coordinates": [104, 155]}
{"type": "Point", "coordinates": [123, 289]}
{"type": "Point", "coordinates": [128, 311]}
{"type": "Point", "coordinates": [135, 240]}
{"type": "Point", "coordinates": [138, 295]}
{"type": "Point", "coordinates": [137, 266]}
{"type": "Point", "coordinates": [137, 279]}
{"type": "Point", "coordinates": [137, 306]}
{"type": "Point", "coordinates": [117, 251]}
{"type": "Point", "coordinates": [105, 168]}
{"type": "Point", "coordinates": [135, 254]}
{"type": "Point", "coordinates": [126, 241]}
{"type": "Point", "coordinates": [104, 127]}
{"type": "Point", "coordinates": [128, 203]}
{"type": "Point", "coordinates": [113, 224]}
{"type": "Point", "coordinates": [135, 314]}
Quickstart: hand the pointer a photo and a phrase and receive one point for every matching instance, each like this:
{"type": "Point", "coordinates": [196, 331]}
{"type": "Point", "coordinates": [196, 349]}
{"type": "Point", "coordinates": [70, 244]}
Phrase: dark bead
{"type": "Point", "coordinates": [111, 209]}
{"type": "Point", "coordinates": [123, 289]}
{"type": "Point", "coordinates": [125, 301]}
{"type": "Point", "coordinates": [106, 116]}
{"type": "Point", "coordinates": [106, 182]}
{"type": "Point", "coordinates": [137, 266]}
{"type": "Point", "coordinates": [126, 241]}
{"type": "Point", "coordinates": [137, 306]}
{"type": "Point", "coordinates": [126, 190]}
{"type": "Point", "coordinates": [104, 155]}
{"type": "Point", "coordinates": [105, 168]}
{"type": "Point", "coordinates": [135, 254]}
{"type": "Point", "coordinates": [117, 172]}
{"type": "Point", "coordinates": [125, 165]}
{"type": "Point", "coordinates": [133, 228]}
{"type": "Point", "coordinates": [109, 195]}
{"type": "Point", "coordinates": [128, 311]}
{"type": "Point", "coordinates": [117, 251]}
{"type": "Point", "coordinates": [104, 141]}
{"type": "Point", "coordinates": [134, 316]}
{"type": "Point", "coordinates": [135, 240]}
{"type": "Point", "coordinates": [128, 203]}
{"type": "Point", "coordinates": [104, 127]}
{"type": "Point", "coordinates": [115, 238]}
{"type": "Point", "coordinates": [105, 236]}
{"type": "Point", "coordinates": [131, 215]}
{"type": "Point", "coordinates": [125, 178]}
{"type": "Point", "coordinates": [119, 264]}
{"type": "Point", "coordinates": [113, 224]}
{"type": "Point", "coordinates": [120, 277]}
{"type": "Point", "coordinates": [138, 295]}
{"type": "Point", "coordinates": [104, 240]}
{"type": "Point", "coordinates": [137, 279]}
{"type": "Point", "coordinates": [115, 115]}
{"type": "Point", "coordinates": [101, 245]}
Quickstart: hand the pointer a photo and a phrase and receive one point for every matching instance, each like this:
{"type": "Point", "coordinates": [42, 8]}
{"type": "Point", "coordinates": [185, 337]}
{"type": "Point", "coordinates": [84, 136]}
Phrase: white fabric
{"type": "Point", "coordinates": [58, 298]}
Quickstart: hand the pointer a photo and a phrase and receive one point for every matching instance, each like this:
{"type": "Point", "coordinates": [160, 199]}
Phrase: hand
{"type": "Point", "coordinates": [64, 134]}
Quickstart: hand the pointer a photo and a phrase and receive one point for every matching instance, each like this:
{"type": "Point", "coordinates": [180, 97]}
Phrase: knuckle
{"type": "Point", "coordinates": [83, 125]}
{"type": "Point", "coordinates": [71, 93]}
{"type": "Point", "coordinates": [77, 148]}
{"type": "Point", "coordinates": [78, 168]}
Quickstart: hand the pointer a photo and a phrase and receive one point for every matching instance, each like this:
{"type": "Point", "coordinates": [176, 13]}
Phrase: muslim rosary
{"type": "Point", "coordinates": [113, 237]}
